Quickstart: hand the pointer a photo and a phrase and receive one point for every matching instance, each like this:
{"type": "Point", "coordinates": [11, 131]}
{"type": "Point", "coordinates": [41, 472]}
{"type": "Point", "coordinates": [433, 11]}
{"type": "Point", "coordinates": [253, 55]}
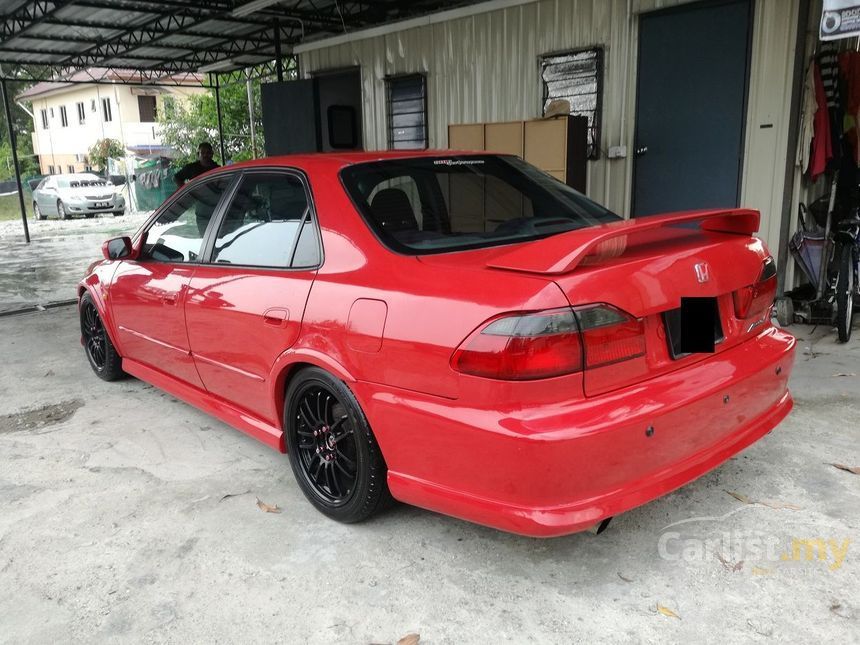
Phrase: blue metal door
{"type": "Point", "coordinates": [691, 107]}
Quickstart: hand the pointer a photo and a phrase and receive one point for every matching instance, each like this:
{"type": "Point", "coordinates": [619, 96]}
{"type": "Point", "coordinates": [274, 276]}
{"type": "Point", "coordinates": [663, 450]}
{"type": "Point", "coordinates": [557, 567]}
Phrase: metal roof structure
{"type": "Point", "coordinates": [163, 41]}
{"type": "Point", "coordinates": [173, 42]}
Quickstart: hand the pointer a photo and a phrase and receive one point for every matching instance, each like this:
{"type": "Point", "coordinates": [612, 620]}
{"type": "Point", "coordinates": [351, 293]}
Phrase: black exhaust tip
{"type": "Point", "coordinates": [603, 525]}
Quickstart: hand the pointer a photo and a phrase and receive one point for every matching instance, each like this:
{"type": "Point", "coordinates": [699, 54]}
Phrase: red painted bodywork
{"type": "Point", "coordinates": [543, 457]}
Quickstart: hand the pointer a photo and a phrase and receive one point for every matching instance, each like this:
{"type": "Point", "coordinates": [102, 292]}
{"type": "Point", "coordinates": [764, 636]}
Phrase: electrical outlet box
{"type": "Point", "coordinates": [617, 152]}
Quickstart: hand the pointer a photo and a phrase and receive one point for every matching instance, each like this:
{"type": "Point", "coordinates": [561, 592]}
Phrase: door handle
{"type": "Point", "coordinates": [276, 317]}
{"type": "Point", "coordinates": [641, 150]}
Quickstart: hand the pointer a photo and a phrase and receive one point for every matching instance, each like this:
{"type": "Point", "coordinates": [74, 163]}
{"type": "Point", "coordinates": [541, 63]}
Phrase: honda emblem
{"type": "Point", "coordinates": [703, 272]}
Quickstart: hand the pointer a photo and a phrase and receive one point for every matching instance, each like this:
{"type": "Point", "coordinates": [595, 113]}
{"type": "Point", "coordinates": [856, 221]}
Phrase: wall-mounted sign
{"type": "Point", "coordinates": [839, 19]}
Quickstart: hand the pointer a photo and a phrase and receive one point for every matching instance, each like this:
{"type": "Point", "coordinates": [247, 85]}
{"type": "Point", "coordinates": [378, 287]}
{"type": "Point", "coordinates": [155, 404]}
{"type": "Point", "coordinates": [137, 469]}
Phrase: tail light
{"type": "Point", "coordinates": [609, 335]}
{"type": "Point", "coordinates": [756, 299]}
{"type": "Point", "coordinates": [550, 343]}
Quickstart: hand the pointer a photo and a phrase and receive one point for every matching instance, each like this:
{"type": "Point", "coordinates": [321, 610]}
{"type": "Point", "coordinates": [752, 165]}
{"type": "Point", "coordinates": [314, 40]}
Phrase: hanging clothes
{"type": "Point", "coordinates": [849, 65]}
{"type": "Point", "coordinates": [807, 123]}
{"type": "Point", "coordinates": [828, 63]}
{"type": "Point", "coordinates": [822, 142]}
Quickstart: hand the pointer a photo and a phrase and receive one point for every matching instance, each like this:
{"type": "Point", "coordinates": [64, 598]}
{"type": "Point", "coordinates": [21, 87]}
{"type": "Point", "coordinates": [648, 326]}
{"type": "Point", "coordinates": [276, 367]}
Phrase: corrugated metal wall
{"type": "Point", "coordinates": [485, 67]}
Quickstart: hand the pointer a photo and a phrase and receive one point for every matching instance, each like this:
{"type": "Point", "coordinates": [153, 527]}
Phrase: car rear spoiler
{"type": "Point", "coordinates": [564, 252]}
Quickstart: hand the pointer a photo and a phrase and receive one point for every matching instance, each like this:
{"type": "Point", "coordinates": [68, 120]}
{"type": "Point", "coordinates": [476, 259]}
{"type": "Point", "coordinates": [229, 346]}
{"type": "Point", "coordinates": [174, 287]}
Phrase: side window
{"type": "Point", "coordinates": [177, 234]}
{"type": "Point", "coordinates": [268, 224]}
{"type": "Point", "coordinates": [407, 112]}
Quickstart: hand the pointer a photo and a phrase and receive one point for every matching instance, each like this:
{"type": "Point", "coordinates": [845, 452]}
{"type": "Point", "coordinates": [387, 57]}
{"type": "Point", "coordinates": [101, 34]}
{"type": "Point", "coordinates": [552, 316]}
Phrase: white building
{"type": "Point", "coordinates": [68, 118]}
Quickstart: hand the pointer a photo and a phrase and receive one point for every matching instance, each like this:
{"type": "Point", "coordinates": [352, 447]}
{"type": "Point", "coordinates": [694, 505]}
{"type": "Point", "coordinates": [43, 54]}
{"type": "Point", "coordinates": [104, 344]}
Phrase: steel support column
{"type": "Point", "coordinates": [249, 87]}
{"type": "Point", "coordinates": [279, 60]}
{"type": "Point", "coordinates": [14, 145]}
{"type": "Point", "coordinates": [220, 122]}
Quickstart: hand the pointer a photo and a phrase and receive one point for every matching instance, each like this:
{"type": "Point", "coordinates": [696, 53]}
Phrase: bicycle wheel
{"type": "Point", "coordinates": [845, 293]}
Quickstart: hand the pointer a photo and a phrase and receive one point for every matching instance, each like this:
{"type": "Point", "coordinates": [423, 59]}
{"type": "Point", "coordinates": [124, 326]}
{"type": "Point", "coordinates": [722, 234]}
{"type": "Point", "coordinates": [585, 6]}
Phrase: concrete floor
{"type": "Point", "coordinates": [47, 269]}
{"type": "Point", "coordinates": [128, 516]}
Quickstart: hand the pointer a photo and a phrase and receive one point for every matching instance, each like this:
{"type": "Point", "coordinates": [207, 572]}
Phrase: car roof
{"type": "Point", "coordinates": [338, 160]}
{"type": "Point", "coordinates": [77, 175]}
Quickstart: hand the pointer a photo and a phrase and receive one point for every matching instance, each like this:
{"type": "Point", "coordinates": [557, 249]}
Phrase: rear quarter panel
{"type": "Point", "coordinates": [429, 309]}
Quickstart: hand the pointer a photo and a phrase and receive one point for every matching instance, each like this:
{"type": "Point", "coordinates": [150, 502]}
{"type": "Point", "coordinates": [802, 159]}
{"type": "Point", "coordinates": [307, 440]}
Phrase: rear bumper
{"type": "Point", "coordinates": [545, 473]}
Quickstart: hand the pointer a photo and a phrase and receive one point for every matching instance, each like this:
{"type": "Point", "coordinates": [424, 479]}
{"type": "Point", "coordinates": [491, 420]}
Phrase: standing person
{"type": "Point", "coordinates": [204, 162]}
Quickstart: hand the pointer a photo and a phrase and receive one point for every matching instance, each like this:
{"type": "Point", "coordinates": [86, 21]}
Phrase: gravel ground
{"type": "Point", "coordinates": [131, 517]}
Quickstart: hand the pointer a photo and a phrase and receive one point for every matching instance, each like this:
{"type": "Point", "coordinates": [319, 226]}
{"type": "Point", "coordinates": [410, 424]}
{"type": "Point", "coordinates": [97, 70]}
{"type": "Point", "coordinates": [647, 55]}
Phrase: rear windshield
{"type": "Point", "coordinates": [436, 204]}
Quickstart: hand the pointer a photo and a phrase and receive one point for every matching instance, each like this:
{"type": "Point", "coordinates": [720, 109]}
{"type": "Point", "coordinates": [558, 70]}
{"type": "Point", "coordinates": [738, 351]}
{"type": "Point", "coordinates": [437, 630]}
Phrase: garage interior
{"type": "Point", "coordinates": [132, 516]}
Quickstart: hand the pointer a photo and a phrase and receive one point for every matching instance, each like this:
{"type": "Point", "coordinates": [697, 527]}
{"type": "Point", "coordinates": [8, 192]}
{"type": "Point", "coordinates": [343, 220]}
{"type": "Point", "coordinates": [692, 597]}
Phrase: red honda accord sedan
{"type": "Point", "coordinates": [458, 331]}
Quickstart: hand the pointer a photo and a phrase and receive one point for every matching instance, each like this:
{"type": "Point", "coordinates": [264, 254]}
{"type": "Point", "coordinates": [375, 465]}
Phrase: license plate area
{"type": "Point", "coordinates": [101, 204]}
{"type": "Point", "coordinates": [694, 327]}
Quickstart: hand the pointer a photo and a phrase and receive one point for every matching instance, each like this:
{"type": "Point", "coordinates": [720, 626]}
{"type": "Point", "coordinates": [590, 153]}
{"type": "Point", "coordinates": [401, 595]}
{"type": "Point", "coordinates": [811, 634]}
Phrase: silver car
{"type": "Point", "coordinates": [79, 194]}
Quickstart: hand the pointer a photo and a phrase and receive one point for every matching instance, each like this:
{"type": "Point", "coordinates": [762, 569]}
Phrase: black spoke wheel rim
{"type": "Point", "coordinates": [95, 338]}
{"type": "Point", "coordinates": [326, 444]}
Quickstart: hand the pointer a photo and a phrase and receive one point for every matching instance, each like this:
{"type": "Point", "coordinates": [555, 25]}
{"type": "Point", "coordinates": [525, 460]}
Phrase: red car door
{"type": "Point", "coordinates": [147, 295]}
{"type": "Point", "coordinates": [245, 306]}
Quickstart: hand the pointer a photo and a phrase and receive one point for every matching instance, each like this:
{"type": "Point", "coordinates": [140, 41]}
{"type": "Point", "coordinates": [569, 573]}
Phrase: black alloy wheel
{"type": "Point", "coordinates": [101, 354]}
{"type": "Point", "coordinates": [333, 453]}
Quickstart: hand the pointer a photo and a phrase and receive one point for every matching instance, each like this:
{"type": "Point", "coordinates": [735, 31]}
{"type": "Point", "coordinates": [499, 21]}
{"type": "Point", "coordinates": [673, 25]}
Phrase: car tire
{"type": "Point", "coordinates": [118, 213]}
{"type": "Point", "coordinates": [845, 288]}
{"type": "Point", "coordinates": [37, 213]}
{"type": "Point", "coordinates": [61, 210]}
{"type": "Point", "coordinates": [332, 450]}
{"type": "Point", "coordinates": [101, 354]}
{"type": "Point", "coordinates": [89, 215]}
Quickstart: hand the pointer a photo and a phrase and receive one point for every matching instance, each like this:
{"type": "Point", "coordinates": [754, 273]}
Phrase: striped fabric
{"type": "Point", "coordinates": [829, 63]}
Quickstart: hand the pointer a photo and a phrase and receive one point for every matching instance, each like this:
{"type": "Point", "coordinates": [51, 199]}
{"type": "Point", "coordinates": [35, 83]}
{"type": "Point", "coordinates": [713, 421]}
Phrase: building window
{"type": "Point", "coordinates": [106, 111]}
{"type": "Point", "coordinates": [50, 170]}
{"type": "Point", "coordinates": [146, 107]}
{"type": "Point", "coordinates": [44, 119]}
{"type": "Point", "coordinates": [576, 77]}
{"type": "Point", "coordinates": [71, 169]}
{"type": "Point", "coordinates": [64, 119]}
{"type": "Point", "coordinates": [407, 112]}
{"type": "Point", "coordinates": [82, 113]}
{"type": "Point", "coordinates": [92, 105]}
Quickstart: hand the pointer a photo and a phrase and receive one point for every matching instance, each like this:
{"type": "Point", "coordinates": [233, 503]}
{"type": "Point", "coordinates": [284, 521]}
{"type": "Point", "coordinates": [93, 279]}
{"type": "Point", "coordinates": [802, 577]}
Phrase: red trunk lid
{"type": "Point", "coordinates": [644, 267]}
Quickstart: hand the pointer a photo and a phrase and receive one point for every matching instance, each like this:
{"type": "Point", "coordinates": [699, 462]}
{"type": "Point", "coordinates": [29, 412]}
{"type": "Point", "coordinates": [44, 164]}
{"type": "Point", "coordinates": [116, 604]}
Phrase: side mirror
{"type": "Point", "coordinates": [117, 248]}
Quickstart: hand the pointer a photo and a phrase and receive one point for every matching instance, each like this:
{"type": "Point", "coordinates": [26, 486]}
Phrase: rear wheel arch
{"type": "Point", "coordinates": [291, 363]}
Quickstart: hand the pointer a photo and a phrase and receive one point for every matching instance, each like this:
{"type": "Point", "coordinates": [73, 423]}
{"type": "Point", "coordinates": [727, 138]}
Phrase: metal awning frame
{"type": "Point", "coordinates": [165, 43]}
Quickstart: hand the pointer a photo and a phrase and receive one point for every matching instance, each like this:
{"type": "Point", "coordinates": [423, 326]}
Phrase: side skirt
{"type": "Point", "coordinates": [252, 425]}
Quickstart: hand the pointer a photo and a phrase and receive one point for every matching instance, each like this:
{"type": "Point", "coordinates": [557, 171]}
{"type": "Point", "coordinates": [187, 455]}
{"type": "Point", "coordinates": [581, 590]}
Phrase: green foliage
{"type": "Point", "coordinates": [22, 124]}
{"type": "Point", "coordinates": [26, 158]}
{"type": "Point", "coordinates": [185, 124]}
{"type": "Point", "coordinates": [104, 149]}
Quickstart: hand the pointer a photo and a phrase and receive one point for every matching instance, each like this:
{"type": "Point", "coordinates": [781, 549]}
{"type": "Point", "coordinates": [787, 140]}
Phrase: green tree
{"type": "Point", "coordinates": [105, 149]}
{"type": "Point", "coordinates": [22, 125]}
{"type": "Point", "coordinates": [185, 124]}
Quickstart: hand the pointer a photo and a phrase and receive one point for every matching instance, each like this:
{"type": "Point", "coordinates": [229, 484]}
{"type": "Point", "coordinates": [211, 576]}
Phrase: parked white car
{"type": "Point", "coordinates": [78, 194]}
